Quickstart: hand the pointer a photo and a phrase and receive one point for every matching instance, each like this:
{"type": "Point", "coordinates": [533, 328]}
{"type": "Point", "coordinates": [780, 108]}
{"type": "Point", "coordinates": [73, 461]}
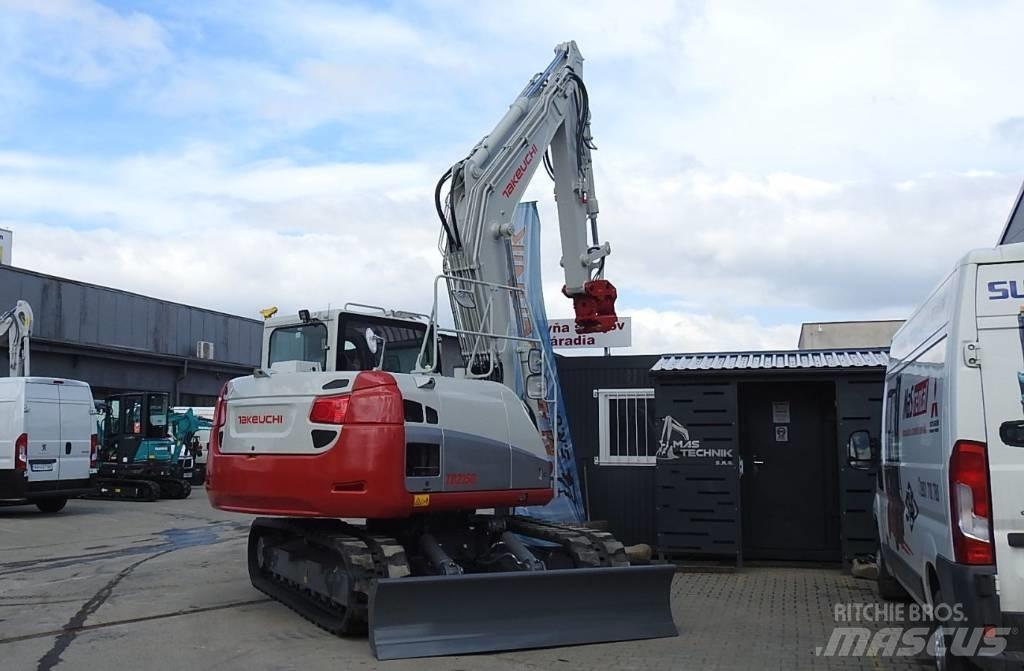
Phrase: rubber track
{"type": "Point", "coordinates": [587, 547]}
{"type": "Point", "coordinates": [365, 556]}
{"type": "Point", "coordinates": [174, 489]}
{"type": "Point", "coordinates": [153, 490]}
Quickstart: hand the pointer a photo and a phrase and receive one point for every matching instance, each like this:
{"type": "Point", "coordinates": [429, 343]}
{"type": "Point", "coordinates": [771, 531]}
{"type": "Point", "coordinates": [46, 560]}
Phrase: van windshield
{"type": "Point", "coordinates": [302, 342]}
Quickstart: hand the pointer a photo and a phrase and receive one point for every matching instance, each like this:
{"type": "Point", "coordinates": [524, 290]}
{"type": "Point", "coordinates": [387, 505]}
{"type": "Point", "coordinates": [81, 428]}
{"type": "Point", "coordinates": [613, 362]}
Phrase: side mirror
{"type": "Point", "coordinates": [376, 345]}
{"type": "Point", "coordinates": [860, 450]}
{"type": "Point", "coordinates": [534, 361]}
{"type": "Point", "coordinates": [371, 340]}
{"type": "Point", "coordinates": [535, 387]}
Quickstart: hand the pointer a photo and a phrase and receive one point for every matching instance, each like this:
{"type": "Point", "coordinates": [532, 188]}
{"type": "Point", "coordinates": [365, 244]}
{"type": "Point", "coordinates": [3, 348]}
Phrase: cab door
{"type": "Point", "coordinates": [42, 424]}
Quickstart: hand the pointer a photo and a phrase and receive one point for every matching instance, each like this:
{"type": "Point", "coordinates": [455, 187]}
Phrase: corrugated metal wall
{"type": "Point", "coordinates": [621, 495]}
{"type": "Point", "coordinates": [77, 313]}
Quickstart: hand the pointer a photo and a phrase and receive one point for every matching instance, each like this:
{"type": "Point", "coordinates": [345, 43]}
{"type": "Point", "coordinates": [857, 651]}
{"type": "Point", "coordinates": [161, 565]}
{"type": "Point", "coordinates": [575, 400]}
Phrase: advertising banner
{"type": "Point", "coordinates": [563, 335]}
{"type": "Point", "coordinates": [567, 505]}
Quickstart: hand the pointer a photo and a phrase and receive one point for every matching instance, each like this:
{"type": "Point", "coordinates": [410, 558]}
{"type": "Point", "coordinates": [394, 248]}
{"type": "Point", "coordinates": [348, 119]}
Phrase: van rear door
{"type": "Point", "coordinates": [1000, 300]}
{"type": "Point", "coordinates": [42, 424]}
{"type": "Point", "coordinates": [77, 425]}
{"type": "Point", "coordinates": [12, 412]}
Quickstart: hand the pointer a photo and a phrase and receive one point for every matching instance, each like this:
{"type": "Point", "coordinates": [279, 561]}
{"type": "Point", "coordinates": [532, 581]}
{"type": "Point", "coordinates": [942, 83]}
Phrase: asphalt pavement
{"type": "Point", "coordinates": [124, 585]}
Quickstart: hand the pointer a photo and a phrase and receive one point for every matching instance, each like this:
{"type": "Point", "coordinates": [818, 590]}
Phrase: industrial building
{"type": "Point", "coordinates": [121, 341]}
{"type": "Point", "coordinates": [793, 492]}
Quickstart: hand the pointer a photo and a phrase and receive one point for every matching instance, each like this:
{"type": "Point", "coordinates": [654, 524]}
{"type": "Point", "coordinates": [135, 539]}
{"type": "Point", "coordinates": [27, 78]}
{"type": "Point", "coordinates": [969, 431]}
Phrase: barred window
{"type": "Point", "coordinates": [623, 417]}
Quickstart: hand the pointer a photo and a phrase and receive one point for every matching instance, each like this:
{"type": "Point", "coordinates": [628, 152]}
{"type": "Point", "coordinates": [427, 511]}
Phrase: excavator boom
{"type": "Point", "coordinates": [17, 324]}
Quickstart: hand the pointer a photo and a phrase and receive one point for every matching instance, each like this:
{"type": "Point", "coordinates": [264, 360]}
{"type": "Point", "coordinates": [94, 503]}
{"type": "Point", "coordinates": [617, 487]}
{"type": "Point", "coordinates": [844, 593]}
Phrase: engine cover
{"type": "Point", "coordinates": [373, 444]}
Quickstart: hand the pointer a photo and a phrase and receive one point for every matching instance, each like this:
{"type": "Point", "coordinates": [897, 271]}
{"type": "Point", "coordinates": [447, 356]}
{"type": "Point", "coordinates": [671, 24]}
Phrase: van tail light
{"type": "Point", "coordinates": [94, 450]}
{"type": "Point", "coordinates": [330, 409]}
{"type": "Point", "coordinates": [21, 453]}
{"type": "Point", "coordinates": [970, 503]}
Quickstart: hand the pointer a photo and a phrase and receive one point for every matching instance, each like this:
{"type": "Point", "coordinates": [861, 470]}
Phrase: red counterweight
{"type": "Point", "coordinates": [595, 307]}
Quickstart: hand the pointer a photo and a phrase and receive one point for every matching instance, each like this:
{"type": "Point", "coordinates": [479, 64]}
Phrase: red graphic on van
{"type": "Point", "coordinates": [915, 403]}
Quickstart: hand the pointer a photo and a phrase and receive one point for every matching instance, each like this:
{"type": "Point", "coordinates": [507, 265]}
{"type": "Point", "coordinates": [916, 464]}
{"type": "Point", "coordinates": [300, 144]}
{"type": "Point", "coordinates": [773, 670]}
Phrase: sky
{"type": "Point", "coordinates": [759, 164]}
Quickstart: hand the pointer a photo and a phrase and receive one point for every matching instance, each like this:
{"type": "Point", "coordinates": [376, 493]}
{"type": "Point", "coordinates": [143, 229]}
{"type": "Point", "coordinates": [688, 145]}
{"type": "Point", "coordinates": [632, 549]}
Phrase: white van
{"type": "Point", "coordinates": [950, 505]}
{"type": "Point", "coordinates": [47, 441]}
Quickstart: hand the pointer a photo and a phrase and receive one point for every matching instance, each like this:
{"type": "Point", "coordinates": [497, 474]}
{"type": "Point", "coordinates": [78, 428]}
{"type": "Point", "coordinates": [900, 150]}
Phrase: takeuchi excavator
{"type": "Point", "coordinates": [430, 433]}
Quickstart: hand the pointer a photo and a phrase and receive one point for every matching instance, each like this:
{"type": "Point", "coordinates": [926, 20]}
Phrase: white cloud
{"type": "Point", "coordinates": [849, 90]}
{"type": "Point", "coordinates": [758, 166]}
{"type": "Point", "coordinates": [695, 260]}
{"type": "Point", "coordinates": [82, 41]}
{"type": "Point", "coordinates": [196, 228]}
{"type": "Point", "coordinates": [661, 331]}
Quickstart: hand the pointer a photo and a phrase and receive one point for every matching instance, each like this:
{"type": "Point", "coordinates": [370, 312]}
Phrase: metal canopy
{"type": "Point", "coordinates": [774, 360]}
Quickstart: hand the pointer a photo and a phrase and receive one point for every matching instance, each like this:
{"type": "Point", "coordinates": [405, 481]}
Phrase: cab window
{"type": "Point", "coordinates": [893, 408]}
{"type": "Point", "coordinates": [400, 347]}
{"type": "Point", "coordinates": [132, 415]}
{"type": "Point", "coordinates": [302, 342]}
{"type": "Point", "coordinates": [156, 427]}
{"type": "Point", "coordinates": [115, 416]}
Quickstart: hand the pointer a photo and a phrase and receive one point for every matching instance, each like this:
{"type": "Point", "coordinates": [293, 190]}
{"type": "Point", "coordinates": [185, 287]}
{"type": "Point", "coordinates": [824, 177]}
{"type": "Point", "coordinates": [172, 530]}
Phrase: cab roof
{"type": "Point", "coordinates": [333, 313]}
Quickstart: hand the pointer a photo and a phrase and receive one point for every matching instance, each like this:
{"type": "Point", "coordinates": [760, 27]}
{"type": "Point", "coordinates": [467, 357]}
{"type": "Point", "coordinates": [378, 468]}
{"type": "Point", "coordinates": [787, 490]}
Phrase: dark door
{"type": "Point", "coordinates": [788, 446]}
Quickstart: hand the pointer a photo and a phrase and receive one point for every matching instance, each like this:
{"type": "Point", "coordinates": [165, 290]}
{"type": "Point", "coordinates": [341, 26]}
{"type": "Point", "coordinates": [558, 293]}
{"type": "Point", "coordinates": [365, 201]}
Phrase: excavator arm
{"type": "Point", "coordinates": [17, 324]}
{"type": "Point", "coordinates": [185, 425]}
{"type": "Point", "coordinates": [549, 124]}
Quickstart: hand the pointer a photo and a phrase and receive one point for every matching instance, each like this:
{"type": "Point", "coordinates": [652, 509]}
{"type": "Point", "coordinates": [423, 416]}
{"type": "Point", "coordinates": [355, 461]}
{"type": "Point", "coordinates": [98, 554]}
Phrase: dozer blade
{"type": "Point", "coordinates": [449, 615]}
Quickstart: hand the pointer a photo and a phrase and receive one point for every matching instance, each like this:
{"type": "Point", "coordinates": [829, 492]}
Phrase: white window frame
{"type": "Point", "coordinates": [605, 456]}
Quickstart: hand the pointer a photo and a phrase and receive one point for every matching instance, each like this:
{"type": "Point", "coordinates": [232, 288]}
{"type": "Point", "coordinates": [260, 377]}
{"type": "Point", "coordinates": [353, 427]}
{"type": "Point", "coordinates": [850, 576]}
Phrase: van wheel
{"type": "Point", "coordinates": [51, 505]}
{"type": "Point", "coordinates": [889, 589]}
{"type": "Point", "coordinates": [938, 645]}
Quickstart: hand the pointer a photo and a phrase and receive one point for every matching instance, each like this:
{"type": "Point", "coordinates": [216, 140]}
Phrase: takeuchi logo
{"type": "Point", "coordinates": [520, 171]}
{"type": "Point", "coordinates": [261, 419]}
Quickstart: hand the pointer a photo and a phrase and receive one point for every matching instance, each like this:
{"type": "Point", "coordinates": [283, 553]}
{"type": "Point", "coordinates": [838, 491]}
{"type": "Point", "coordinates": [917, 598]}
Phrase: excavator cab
{"type": "Point", "coordinates": [353, 340]}
{"type": "Point", "coordinates": [136, 428]}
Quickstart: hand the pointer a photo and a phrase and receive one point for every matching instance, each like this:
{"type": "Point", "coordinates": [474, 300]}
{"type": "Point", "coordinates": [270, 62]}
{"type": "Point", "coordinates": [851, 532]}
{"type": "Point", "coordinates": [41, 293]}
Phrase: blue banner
{"type": "Point", "coordinates": [567, 506]}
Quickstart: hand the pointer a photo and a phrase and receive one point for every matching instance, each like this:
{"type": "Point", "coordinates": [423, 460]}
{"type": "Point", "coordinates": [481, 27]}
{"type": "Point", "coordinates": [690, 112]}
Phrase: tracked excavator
{"type": "Point", "coordinates": [138, 459]}
{"type": "Point", "coordinates": [430, 433]}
